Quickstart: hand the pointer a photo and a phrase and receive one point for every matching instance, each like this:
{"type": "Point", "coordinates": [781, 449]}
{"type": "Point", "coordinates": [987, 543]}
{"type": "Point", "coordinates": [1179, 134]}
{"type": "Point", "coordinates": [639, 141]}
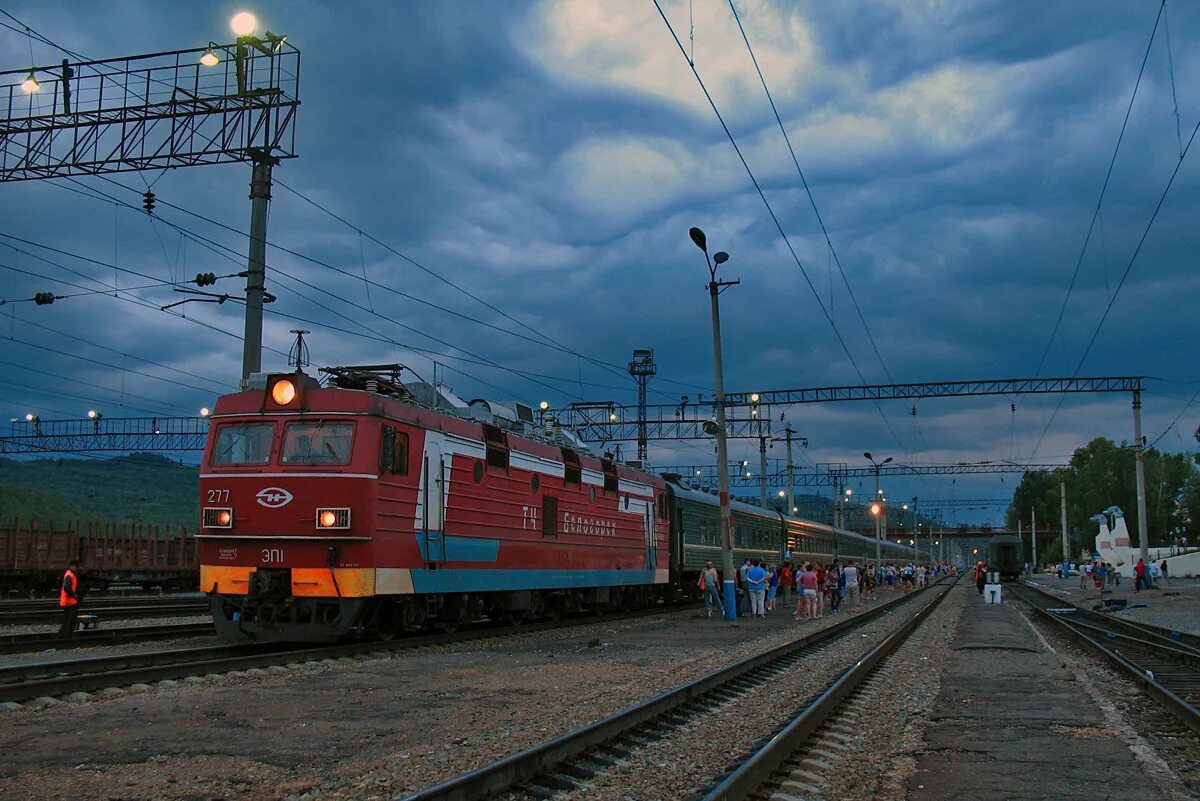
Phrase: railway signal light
{"type": "Point", "coordinates": [148, 201]}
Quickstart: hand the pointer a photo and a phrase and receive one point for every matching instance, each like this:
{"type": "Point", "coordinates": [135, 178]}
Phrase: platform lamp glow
{"type": "Point", "coordinates": [714, 289]}
{"type": "Point", "coordinates": [877, 508]}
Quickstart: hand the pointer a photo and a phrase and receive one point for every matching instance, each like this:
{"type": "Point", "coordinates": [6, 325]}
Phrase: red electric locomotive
{"type": "Point", "coordinates": [369, 506]}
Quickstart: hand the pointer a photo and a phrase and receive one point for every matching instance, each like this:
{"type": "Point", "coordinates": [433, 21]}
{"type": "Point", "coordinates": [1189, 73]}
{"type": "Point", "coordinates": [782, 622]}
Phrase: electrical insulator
{"type": "Point", "coordinates": [148, 201]}
{"type": "Point", "coordinates": [205, 279]}
{"type": "Point", "coordinates": [43, 298]}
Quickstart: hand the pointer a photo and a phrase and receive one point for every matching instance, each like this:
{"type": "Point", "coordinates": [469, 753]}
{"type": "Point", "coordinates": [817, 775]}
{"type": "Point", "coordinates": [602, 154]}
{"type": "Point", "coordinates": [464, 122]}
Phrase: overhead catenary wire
{"type": "Point", "coordinates": [1125, 275]}
{"type": "Point", "coordinates": [775, 219]}
{"type": "Point", "coordinates": [1100, 200]}
{"type": "Point", "coordinates": [820, 220]}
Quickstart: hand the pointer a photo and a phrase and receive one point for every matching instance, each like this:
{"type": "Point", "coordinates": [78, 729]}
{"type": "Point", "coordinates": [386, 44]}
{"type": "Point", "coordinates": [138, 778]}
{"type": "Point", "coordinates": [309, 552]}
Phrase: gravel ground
{"type": "Point", "coordinates": [70, 654]}
{"type": "Point", "coordinates": [365, 728]}
{"type": "Point", "coordinates": [686, 762]}
{"type": "Point", "coordinates": [869, 745]}
{"type": "Point", "coordinates": [1174, 606]}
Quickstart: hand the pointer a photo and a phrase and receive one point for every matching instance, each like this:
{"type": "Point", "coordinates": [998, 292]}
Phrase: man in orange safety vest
{"type": "Point", "coordinates": [68, 599]}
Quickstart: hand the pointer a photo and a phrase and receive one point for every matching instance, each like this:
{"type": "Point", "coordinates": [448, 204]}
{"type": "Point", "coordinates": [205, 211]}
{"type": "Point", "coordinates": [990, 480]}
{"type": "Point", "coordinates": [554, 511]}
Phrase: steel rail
{"type": "Point", "coordinates": [54, 614]}
{"type": "Point", "coordinates": [90, 638]}
{"type": "Point", "coordinates": [26, 682]}
{"type": "Point", "coordinates": [757, 769]}
{"type": "Point", "coordinates": [1157, 684]}
{"type": "Point", "coordinates": [1173, 637]}
{"type": "Point", "coordinates": [527, 765]}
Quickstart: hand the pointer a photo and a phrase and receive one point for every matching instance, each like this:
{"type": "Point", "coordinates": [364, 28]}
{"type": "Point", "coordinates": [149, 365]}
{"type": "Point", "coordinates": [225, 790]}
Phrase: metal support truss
{"type": "Point", "coordinates": [151, 111]}
{"type": "Point", "coordinates": [106, 434]}
{"type": "Point", "coordinates": [837, 474]}
{"type": "Point", "coordinates": [605, 421]}
{"type": "Point", "coordinates": [935, 389]}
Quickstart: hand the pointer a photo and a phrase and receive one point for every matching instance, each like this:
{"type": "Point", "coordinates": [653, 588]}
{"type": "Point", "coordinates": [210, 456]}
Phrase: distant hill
{"type": "Point", "coordinates": [140, 488]}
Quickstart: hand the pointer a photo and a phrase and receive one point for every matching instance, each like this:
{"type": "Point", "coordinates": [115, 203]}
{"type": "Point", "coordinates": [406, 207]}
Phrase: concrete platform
{"type": "Point", "coordinates": [1173, 604]}
{"type": "Point", "coordinates": [1011, 722]}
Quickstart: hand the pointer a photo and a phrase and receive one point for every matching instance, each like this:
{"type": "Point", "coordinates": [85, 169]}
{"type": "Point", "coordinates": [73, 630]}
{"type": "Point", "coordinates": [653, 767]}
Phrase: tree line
{"type": "Point", "coordinates": [1102, 474]}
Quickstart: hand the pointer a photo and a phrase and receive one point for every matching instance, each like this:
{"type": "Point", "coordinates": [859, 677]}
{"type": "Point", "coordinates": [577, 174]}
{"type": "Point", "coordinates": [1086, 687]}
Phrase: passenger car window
{"type": "Point", "coordinates": [243, 443]}
{"type": "Point", "coordinates": [317, 443]}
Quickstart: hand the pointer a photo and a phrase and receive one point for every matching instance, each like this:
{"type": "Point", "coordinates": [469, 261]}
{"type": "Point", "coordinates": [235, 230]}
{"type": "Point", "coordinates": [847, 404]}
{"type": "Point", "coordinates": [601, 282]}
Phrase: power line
{"type": "Point", "coordinates": [1103, 189]}
{"type": "Point", "coordinates": [1132, 259]}
{"type": "Point", "coordinates": [774, 218]}
{"type": "Point", "coordinates": [548, 343]}
{"type": "Point", "coordinates": [217, 248]}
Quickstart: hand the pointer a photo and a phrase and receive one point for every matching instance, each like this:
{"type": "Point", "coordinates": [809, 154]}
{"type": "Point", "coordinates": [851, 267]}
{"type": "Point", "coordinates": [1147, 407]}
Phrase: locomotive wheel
{"type": "Point", "coordinates": [386, 622]}
{"type": "Point", "coordinates": [515, 617]}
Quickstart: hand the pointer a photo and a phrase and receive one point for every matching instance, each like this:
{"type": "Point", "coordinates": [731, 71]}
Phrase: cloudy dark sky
{"type": "Point", "coordinates": [550, 158]}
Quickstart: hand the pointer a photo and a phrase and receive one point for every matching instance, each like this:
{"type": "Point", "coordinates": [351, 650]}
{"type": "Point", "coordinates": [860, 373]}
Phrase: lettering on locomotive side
{"type": "Point", "coordinates": [529, 518]}
{"type": "Point", "coordinates": [272, 556]}
{"type": "Point", "coordinates": [577, 524]}
{"type": "Point", "coordinates": [227, 554]}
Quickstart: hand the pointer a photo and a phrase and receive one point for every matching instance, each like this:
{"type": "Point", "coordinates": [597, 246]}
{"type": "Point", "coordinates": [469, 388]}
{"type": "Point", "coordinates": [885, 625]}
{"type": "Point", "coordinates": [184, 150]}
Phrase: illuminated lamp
{"type": "Point", "coordinates": [283, 392]}
{"type": "Point", "coordinates": [243, 24]}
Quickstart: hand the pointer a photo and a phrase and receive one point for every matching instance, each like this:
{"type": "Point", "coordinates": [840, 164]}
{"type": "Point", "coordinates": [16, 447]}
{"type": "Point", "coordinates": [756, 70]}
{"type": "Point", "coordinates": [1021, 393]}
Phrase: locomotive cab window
{"type": "Point", "coordinates": [572, 469]}
{"type": "Point", "coordinates": [243, 443]}
{"type": "Point", "coordinates": [496, 442]}
{"type": "Point", "coordinates": [393, 451]}
{"type": "Point", "coordinates": [317, 443]}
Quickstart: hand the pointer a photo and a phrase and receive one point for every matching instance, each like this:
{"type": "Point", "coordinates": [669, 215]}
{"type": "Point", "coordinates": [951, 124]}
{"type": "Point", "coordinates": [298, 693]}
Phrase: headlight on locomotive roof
{"type": "Point", "coordinates": [283, 391]}
{"type": "Point", "coordinates": [217, 517]}
{"type": "Point", "coordinates": [333, 518]}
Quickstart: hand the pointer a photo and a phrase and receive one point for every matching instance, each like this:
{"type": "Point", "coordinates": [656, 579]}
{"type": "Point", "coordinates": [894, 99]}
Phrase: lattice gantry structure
{"type": "Point", "coordinates": [34, 436]}
{"type": "Point", "coordinates": [226, 103]}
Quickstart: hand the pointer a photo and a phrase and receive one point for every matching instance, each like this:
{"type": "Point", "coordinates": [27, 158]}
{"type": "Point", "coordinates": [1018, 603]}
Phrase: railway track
{"type": "Point", "coordinates": [21, 613]}
{"type": "Point", "coordinates": [569, 760]}
{"type": "Point", "coordinates": [31, 681]}
{"type": "Point", "coordinates": [1166, 664]}
{"type": "Point", "coordinates": [90, 638]}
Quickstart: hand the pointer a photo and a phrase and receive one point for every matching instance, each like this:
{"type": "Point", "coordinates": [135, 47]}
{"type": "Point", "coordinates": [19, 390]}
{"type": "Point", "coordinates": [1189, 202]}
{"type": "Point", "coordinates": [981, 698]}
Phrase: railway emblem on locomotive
{"type": "Point", "coordinates": [274, 497]}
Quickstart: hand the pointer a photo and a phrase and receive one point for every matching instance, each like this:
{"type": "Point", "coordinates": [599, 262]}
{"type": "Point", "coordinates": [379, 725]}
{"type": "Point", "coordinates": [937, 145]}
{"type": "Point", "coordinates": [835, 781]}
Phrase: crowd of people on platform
{"type": "Point", "coordinates": [764, 588]}
{"type": "Point", "coordinates": [1102, 575]}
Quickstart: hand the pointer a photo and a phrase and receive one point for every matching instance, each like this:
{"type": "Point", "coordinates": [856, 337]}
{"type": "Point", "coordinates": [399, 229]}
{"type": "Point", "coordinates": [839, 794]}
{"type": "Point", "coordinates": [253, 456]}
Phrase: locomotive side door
{"type": "Point", "coordinates": [433, 503]}
{"type": "Point", "coordinates": [651, 545]}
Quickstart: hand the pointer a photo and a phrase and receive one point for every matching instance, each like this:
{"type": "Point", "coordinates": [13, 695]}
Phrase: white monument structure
{"type": "Point", "coordinates": [1113, 546]}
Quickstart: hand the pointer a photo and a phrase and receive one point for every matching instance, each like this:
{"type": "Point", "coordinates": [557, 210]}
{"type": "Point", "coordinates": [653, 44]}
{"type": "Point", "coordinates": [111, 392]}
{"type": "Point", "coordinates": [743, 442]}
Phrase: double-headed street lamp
{"type": "Point", "coordinates": [876, 507]}
{"type": "Point", "coordinates": [714, 289]}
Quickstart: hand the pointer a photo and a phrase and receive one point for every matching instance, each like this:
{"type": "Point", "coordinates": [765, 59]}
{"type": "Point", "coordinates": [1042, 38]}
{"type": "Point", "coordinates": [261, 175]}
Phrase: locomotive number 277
{"type": "Point", "coordinates": [218, 496]}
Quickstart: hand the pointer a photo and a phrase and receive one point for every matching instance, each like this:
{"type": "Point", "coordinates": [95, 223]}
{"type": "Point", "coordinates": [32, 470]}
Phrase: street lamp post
{"type": "Point", "coordinates": [878, 532]}
{"type": "Point", "coordinates": [714, 290]}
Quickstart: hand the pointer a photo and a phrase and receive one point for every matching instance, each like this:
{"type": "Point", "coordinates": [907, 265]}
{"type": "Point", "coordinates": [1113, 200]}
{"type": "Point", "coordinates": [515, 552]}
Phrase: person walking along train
{"type": "Point", "coordinates": [850, 575]}
{"type": "Point", "coordinates": [68, 599]}
{"type": "Point", "coordinates": [710, 583]}
{"type": "Point", "coordinates": [756, 584]}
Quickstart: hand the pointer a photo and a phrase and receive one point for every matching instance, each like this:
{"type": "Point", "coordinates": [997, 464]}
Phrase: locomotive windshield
{"type": "Point", "coordinates": [245, 443]}
{"type": "Point", "coordinates": [318, 443]}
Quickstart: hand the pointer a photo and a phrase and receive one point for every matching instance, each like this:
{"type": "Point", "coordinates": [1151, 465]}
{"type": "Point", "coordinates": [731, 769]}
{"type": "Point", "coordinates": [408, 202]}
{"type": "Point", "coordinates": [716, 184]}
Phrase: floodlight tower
{"type": "Point", "coordinates": [642, 368]}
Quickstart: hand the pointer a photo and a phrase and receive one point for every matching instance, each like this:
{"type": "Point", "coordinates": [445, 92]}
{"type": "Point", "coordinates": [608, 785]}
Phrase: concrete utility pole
{"type": "Point", "coordinates": [260, 195]}
{"type": "Point", "coordinates": [877, 506]}
{"type": "Point", "coordinates": [1033, 526]}
{"type": "Point", "coordinates": [714, 290]}
{"type": "Point", "coordinates": [1139, 445]}
{"type": "Point", "coordinates": [791, 492]}
{"type": "Point", "coordinates": [762, 473]}
{"type": "Point", "coordinates": [1066, 537]}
